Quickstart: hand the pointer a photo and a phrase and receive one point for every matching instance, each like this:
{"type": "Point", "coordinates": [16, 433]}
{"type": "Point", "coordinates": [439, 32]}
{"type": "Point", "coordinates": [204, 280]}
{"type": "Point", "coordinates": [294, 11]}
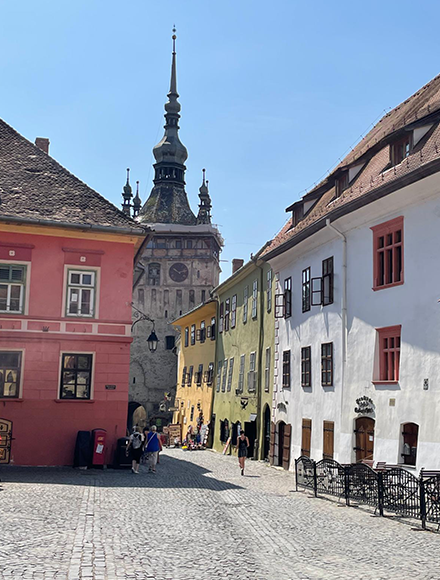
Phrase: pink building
{"type": "Point", "coordinates": [66, 265]}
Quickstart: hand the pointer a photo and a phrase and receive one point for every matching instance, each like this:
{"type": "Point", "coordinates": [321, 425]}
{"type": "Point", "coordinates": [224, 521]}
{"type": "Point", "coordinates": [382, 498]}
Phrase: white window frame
{"type": "Point", "coordinates": [230, 373]}
{"type": "Point", "coordinates": [225, 374]}
{"type": "Point", "coordinates": [254, 298]}
{"type": "Point", "coordinates": [219, 375]}
{"type": "Point", "coordinates": [10, 284]}
{"type": "Point", "coordinates": [241, 373]}
{"type": "Point", "coordinates": [252, 372]}
{"type": "Point", "coordinates": [245, 303]}
{"type": "Point", "coordinates": [267, 370]}
{"type": "Point", "coordinates": [80, 287]}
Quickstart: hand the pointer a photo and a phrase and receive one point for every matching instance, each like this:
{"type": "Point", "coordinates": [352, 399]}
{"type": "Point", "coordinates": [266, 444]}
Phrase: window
{"type": "Point", "coordinates": [254, 298]}
{"type": "Point", "coordinates": [10, 372]}
{"type": "Point", "coordinates": [153, 274]}
{"type": "Point", "coordinates": [241, 374]}
{"type": "Point", "coordinates": [306, 366]}
{"type": "Point", "coordinates": [245, 303]}
{"type": "Point", "coordinates": [234, 311]}
{"type": "Point", "coordinates": [170, 342]}
{"type": "Point", "coordinates": [327, 281]}
{"type": "Point", "coordinates": [297, 214]}
{"type": "Point", "coordinates": [225, 375]}
{"type": "Point", "coordinates": [222, 317]}
{"type": "Point", "coordinates": [141, 296]}
{"type": "Point", "coordinates": [184, 376]}
{"type": "Point", "coordinates": [327, 364]}
{"type": "Point", "coordinates": [306, 290]}
{"type": "Point", "coordinates": [12, 287]}
{"type": "Point", "coordinates": [227, 312]}
{"type": "Point", "coordinates": [269, 290]}
{"type": "Point", "coordinates": [211, 329]}
{"type": "Point", "coordinates": [192, 413]}
{"type": "Point", "coordinates": [76, 376]}
{"type": "Point", "coordinates": [190, 376]}
{"type": "Point", "coordinates": [80, 292]}
{"type": "Point", "coordinates": [400, 149]}
{"type": "Point", "coordinates": [287, 297]}
{"type": "Point", "coordinates": [202, 331]}
{"type": "Point", "coordinates": [199, 375]}
{"type": "Point", "coordinates": [179, 298]}
{"type": "Point", "coordinates": [192, 298]}
{"type": "Point", "coordinates": [328, 440]}
{"type": "Point", "coordinates": [166, 297]}
{"type": "Point", "coordinates": [210, 374]}
{"type": "Point", "coordinates": [160, 243]}
{"type": "Point", "coordinates": [388, 254]}
{"type": "Point", "coordinates": [178, 244]}
{"type": "Point", "coordinates": [193, 334]}
{"type": "Point", "coordinates": [186, 336]}
{"type": "Point", "coordinates": [203, 296]}
{"type": "Point", "coordinates": [267, 371]}
{"type": "Point", "coordinates": [219, 375]}
{"type": "Point", "coordinates": [341, 184]}
{"type": "Point", "coordinates": [189, 244]}
{"type": "Point", "coordinates": [252, 374]}
{"type": "Point", "coordinates": [410, 434]}
{"type": "Point", "coordinates": [306, 437]}
{"type": "Point", "coordinates": [286, 369]}
{"type": "Point", "coordinates": [389, 353]}
{"type": "Point", "coordinates": [231, 371]}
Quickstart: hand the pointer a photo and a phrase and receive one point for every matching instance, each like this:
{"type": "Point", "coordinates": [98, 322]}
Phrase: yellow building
{"type": "Point", "coordinates": [195, 375]}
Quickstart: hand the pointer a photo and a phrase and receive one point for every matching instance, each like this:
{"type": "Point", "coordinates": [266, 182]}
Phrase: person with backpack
{"type": "Point", "coordinates": [152, 448]}
{"type": "Point", "coordinates": [136, 446]}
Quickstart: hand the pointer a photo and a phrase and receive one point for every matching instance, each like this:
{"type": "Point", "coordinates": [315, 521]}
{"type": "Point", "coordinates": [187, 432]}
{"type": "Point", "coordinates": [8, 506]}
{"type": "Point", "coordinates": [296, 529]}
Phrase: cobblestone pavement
{"type": "Point", "coordinates": [197, 518]}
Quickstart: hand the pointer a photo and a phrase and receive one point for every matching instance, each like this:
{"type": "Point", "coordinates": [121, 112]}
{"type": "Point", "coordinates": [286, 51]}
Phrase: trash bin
{"type": "Point", "coordinates": [82, 456]}
{"type": "Point", "coordinates": [121, 460]}
{"type": "Point", "coordinates": [99, 437]}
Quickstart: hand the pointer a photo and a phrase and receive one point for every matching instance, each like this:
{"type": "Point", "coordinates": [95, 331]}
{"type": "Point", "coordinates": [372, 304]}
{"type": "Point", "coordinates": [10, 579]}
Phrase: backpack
{"type": "Point", "coordinates": [137, 440]}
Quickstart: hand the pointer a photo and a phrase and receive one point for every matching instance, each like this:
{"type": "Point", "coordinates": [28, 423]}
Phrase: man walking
{"type": "Point", "coordinates": [152, 448]}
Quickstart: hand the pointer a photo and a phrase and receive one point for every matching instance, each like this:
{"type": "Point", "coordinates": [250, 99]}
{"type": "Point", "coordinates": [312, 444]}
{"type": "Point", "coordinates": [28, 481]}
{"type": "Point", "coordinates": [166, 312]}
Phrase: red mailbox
{"type": "Point", "coordinates": [99, 437]}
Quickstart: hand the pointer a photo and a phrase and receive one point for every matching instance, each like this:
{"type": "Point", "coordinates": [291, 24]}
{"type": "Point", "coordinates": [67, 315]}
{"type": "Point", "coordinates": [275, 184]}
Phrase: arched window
{"type": "Point", "coordinates": [191, 298]}
{"type": "Point", "coordinates": [410, 435]}
{"type": "Point", "coordinates": [153, 274]}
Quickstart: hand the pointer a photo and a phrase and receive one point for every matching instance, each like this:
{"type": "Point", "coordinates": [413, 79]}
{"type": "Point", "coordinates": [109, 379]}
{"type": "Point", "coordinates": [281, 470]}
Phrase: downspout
{"type": "Point", "coordinates": [343, 306]}
{"type": "Point", "coordinates": [260, 363]}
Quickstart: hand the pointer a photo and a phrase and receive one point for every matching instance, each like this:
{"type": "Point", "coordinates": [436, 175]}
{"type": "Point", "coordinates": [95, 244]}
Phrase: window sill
{"type": "Point", "coordinates": [11, 399]}
{"type": "Point", "coordinates": [376, 288]}
{"type": "Point", "coordinates": [385, 382]}
{"type": "Point", "coordinates": [83, 401]}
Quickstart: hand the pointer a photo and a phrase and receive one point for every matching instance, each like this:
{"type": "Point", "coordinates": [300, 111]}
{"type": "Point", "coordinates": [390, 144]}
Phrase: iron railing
{"type": "Point", "coordinates": [391, 489]}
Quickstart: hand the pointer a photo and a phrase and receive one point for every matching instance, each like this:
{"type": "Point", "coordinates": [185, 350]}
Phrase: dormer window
{"type": "Point", "coordinates": [400, 149]}
{"type": "Point", "coordinates": [341, 184]}
{"type": "Point", "coordinates": [297, 215]}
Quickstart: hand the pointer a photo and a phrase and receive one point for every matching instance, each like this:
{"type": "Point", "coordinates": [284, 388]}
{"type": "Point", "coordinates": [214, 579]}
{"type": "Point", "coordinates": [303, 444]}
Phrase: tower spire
{"type": "Point", "coordinates": [127, 194]}
{"type": "Point", "coordinates": [204, 215]}
{"type": "Point", "coordinates": [136, 201]}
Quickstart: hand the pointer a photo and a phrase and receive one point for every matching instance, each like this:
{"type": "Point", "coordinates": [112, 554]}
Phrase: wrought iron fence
{"type": "Point", "coordinates": [393, 489]}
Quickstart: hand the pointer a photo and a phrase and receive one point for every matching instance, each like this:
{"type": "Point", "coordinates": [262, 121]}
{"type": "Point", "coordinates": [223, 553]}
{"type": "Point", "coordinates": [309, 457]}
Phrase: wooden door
{"type": "Point", "coordinates": [273, 438]}
{"type": "Point", "coordinates": [329, 433]}
{"type": "Point", "coordinates": [267, 433]}
{"type": "Point", "coordinates": [306, 438]}
{"type": "Point", "coordinates": [364, 438]}
{"type": "Point", "coordinates": [5, 440]}
{"type": "Point", "coordinates": [286, 446]}
{"type": "Point", "coordinates": [281, 427]}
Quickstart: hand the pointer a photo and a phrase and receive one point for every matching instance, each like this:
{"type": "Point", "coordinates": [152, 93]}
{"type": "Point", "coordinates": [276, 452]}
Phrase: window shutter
{"type": "Point", "coordinates": [328, 447]}
{"type": "Point", "coordinates": [208, 332]}
{"type": "Point", "coordinates": [273, 434]}
{"type": "Point", "coordinates": [306, 437]}
{"type": "Point", "coordinates": [198, 334]}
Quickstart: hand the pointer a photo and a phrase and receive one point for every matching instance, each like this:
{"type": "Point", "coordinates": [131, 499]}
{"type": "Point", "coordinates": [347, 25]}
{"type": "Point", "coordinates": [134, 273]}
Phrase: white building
{"type": "Point", "coordinates": [357, 344]}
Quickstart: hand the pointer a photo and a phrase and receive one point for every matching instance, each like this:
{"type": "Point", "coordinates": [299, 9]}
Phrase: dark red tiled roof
{"type": "Point", "coordinates": [374, 152]}
{"type": "Point", "coordinates": [35, 187]}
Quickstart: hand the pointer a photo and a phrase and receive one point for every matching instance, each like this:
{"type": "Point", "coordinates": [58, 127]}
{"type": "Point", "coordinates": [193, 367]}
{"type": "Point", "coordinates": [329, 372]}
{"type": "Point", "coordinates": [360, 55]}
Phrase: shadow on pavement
{"type": "Point", "coordinates": [171, 473]}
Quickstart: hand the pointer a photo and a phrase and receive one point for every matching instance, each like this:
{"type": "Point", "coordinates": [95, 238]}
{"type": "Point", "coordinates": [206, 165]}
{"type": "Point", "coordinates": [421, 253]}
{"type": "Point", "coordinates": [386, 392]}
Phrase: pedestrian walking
{"type": "Point", "coordinates": [242, 444]}
{"type": "Point", "coordinates": [135, 445]}
{"type": "Point", "coordinates": [152, 448]}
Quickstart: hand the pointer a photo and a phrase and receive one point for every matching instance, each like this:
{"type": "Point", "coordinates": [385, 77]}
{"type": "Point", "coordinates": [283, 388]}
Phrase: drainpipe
{"type": "Point", "coordinates": [343, 306]}
{"type": "Point", "coordinates": [260, 361]}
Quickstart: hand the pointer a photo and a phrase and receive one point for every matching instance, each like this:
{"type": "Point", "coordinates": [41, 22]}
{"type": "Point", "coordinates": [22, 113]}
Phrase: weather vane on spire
{"type": "Point", "coordinates": [174, 38]}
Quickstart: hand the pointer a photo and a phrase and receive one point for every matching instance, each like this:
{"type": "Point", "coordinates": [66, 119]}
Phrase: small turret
{"type": "Point", "coordinates": [127, 194]}
{"type": "Point", "coordinates": [204, 215]}
{"type": "Point", "coordinates": [137, 203]}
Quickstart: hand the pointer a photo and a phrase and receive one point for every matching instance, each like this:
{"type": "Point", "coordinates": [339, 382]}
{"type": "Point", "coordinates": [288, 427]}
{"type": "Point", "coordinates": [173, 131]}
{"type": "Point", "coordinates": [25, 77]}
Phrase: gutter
{"type": "Point", "coordinates": [260, 360]}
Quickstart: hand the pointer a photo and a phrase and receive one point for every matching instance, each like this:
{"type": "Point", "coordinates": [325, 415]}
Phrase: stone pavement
{"type": "Point", "coordinates": [197, 518]}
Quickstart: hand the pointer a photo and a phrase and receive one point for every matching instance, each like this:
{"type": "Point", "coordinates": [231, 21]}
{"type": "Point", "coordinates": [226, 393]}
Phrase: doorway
{"type": "Point", "coordinates": [266, 433]}
{"type": "Point", "coordinates": [281, 428]}
{"type": "Point", "coordinates": [250, 429]}
{"type": "Point", "coordinates": [364, 431]}
{"type": "Point", "coordinates": [5, 440]}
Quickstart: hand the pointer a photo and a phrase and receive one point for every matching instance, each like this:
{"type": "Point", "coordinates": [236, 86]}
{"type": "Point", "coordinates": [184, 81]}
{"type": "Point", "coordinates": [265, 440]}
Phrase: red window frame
{"type": "Point", "coordinates": [388, 253]}
{"type": "Point", "coordinates": [389, 354]}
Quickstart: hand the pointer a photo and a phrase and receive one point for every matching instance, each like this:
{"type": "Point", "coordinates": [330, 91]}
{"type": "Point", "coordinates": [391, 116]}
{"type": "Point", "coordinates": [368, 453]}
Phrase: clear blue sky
{"type": "Point", "coordinates": [272, 93]}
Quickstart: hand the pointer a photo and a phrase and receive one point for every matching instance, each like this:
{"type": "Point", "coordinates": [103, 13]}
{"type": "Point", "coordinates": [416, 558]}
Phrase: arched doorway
{"type": "Point", "coordinates": [364, 431]}
{"type": "Point", "coordinates": [266, 433]}
{"type": "Point", "coordinates": [136, 416]}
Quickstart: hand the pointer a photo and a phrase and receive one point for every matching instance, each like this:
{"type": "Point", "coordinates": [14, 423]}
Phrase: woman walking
{"type": "Point", "coordinates": [152, 448]}
{"type": "Point", "coordinates": [242, 444]}
{"type": "Point", "coordinates": [136, 446]}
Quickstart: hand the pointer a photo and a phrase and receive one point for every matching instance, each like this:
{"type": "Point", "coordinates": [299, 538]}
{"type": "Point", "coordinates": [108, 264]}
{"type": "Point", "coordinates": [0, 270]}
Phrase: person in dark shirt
{"type": "Point", "coordinates": [242, 445]}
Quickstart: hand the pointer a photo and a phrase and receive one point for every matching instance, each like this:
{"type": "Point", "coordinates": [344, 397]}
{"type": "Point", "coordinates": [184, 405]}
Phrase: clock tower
{"type": "Point", "coordinates": [177, 269]}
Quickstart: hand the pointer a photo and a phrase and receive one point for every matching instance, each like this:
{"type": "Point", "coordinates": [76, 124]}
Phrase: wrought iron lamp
{"type": "Point", "coordinates": [152, 340]}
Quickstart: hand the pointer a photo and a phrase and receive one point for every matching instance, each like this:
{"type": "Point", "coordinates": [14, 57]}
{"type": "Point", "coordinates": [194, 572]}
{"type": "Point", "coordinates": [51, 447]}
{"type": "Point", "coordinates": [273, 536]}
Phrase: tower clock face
{"type": "Point", "coordinates": [178, 272]}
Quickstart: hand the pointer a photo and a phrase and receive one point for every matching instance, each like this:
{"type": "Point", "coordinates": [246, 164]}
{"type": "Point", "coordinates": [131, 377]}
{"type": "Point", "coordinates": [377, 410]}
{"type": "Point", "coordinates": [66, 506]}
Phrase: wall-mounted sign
{"type": "Point", "coordinates": [110, 387]}
{"type": "Point", "coordinates": [364, 405]}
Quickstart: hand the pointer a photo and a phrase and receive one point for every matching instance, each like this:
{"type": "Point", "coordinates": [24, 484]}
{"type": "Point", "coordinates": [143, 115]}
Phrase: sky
{"type": "Point", "coordinates": [273, 94]}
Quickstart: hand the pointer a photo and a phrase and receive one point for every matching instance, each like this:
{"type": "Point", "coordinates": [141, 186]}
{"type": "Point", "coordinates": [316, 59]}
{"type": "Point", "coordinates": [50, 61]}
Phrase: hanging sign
{"type": "Point", "coordinates": [364, 405]}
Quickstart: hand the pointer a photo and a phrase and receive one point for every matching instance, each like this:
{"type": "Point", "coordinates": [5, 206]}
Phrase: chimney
{"type": "Point", "coordinates": [43, 144]}
{"type": "Point", "coordinates": [237, 263]}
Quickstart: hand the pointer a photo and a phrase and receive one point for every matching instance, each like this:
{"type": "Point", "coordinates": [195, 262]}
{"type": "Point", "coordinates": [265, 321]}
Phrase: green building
{"type": "Point", "coordinates": [244, 357]}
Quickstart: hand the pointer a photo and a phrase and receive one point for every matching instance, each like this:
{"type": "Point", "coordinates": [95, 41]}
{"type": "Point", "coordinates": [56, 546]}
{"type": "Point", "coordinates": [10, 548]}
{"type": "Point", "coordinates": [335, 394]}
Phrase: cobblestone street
{"type": "Point", "coordinates": [196, 518]}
